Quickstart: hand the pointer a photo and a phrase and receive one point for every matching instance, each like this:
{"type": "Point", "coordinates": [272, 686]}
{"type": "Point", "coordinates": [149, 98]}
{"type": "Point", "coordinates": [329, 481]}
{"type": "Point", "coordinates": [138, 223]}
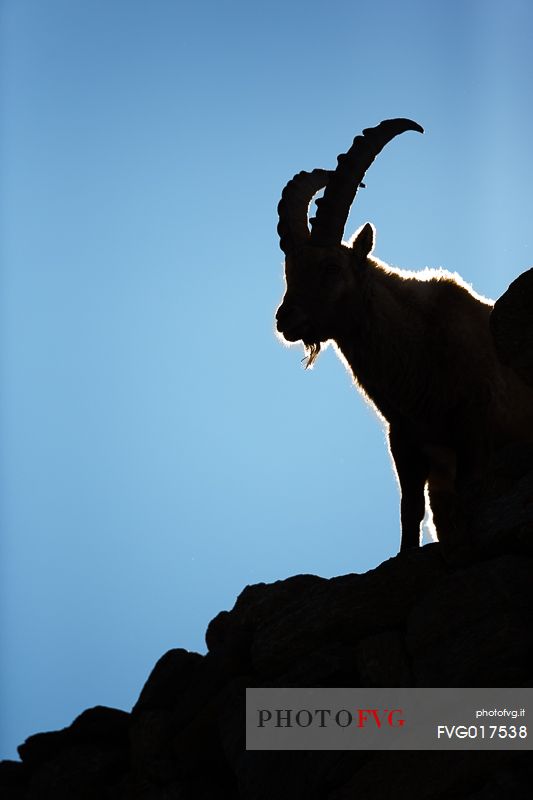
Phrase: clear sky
{"type": "Point", "coordinates": [159, 448]}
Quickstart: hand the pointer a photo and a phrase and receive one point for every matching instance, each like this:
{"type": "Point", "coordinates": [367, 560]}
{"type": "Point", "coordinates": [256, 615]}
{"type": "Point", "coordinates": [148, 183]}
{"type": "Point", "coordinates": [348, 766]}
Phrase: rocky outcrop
{"type": "Point", "coordinates": [416, 620]}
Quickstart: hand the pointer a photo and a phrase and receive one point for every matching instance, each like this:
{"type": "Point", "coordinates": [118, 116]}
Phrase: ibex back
{"type": "Point", "coordinates": [418, 345]}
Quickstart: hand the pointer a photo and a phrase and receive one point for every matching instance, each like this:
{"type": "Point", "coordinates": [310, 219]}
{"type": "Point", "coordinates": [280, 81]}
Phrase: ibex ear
{"type": "Point", "coordinates": [363, 240]}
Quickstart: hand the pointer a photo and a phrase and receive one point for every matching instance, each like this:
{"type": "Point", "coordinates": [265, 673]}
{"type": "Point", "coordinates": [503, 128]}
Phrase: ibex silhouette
{"type": "Point", "coordinates": [418, 346]}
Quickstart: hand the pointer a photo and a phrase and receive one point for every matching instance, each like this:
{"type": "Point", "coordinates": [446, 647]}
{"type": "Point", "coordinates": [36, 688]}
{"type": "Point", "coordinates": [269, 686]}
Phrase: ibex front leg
{"type": "Point", "coordinates": [412, 470]}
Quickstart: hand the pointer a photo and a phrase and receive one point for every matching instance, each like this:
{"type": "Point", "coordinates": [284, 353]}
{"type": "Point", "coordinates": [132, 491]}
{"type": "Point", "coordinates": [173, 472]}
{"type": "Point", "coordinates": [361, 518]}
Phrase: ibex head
{"type": "Point", "coordinates": [320, 271]}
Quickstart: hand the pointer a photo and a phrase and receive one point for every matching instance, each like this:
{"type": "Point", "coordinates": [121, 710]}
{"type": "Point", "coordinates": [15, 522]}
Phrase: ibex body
{"type": "Point", "coordinates": [419, 346]}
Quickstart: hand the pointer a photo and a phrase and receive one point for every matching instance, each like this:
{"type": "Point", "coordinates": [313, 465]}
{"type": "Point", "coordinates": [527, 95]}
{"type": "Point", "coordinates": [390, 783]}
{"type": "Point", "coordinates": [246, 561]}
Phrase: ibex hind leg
{"type": "Point", "coordinates": [441, 490]}
{"type": "Point", "coordinates": [448, 518]}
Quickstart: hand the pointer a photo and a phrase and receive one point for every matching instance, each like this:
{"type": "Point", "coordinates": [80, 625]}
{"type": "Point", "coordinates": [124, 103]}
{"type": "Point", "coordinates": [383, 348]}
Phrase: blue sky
{"type": "Point", "coordinates": [160, 449]}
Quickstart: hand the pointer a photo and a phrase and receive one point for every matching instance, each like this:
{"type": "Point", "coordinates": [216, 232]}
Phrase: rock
{"type": "Point", "coordinates": [474, 628]}
{"type": "Point", "coordinates": [383, 660]}
{"type": "Point", "coordinates": [343, 610]}
{"type": "Point", "coordinates": [511, 325]}
{"type": "Point", "coordinates": [168, 680]}
{"type": "Point", "coordinates": [79, 761]}
{"type": "Point", "coordinates": [416, 620]}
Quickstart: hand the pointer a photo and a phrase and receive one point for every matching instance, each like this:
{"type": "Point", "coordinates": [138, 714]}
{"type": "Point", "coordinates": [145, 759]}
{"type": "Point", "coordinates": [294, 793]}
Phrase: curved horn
{"type": "Point", "coordinates": [294, 206]}
{"type": "Point", "coordinates": [334, 207]}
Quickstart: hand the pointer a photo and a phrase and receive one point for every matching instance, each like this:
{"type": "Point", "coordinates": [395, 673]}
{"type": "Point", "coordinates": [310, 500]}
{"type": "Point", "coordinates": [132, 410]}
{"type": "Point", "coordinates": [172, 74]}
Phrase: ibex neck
{"type": "Point", "coordinates": [380, 331]}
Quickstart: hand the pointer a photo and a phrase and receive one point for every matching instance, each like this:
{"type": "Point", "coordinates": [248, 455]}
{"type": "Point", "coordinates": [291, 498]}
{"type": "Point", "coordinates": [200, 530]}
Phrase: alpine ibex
{"type": "Point", "coordinates": [418, 346]}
